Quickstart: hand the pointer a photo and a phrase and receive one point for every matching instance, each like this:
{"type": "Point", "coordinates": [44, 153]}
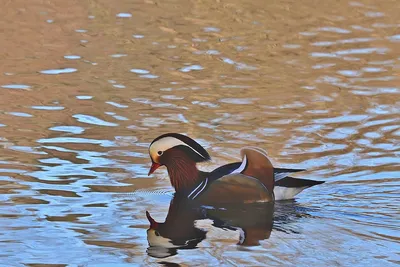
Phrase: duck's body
{"type": "Point", "coordinates": [252, 180]}
{"type": "Point", "coordinates": [285, 187]}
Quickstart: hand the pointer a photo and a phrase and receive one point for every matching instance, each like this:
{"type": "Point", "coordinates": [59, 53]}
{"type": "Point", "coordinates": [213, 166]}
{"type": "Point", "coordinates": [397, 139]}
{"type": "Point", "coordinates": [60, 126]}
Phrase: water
{"type": "Point", "coordinates": [86, 85]}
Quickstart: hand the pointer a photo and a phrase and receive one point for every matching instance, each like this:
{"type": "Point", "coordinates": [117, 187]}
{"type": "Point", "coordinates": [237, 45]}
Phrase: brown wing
{"type": "Point", "coordinates": [253, 181]}
{"type": "Point", "coordinates": [235, 188]}
{"type": "Point", "coordinates": [258, 166]}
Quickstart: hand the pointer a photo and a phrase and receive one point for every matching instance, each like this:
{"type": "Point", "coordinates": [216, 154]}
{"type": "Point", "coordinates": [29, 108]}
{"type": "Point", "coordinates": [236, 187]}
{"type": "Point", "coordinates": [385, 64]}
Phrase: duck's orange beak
{"type": "Point", "coordinates": [153, 167]}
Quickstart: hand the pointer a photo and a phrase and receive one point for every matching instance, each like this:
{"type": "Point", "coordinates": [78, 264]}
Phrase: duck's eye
{"type": "Point", "coordinates": [159, 153]}
{"type": "Point", "coordinates": [156, 233]}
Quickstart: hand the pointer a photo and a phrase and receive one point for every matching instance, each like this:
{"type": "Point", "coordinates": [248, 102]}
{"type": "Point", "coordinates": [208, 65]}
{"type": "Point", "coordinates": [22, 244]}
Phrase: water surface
{"type": "Point", "coordinates": [86, 85]}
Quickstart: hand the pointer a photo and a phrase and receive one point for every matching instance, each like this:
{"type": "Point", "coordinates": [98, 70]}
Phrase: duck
{"type": "Point", "coordinates": [254, 179]}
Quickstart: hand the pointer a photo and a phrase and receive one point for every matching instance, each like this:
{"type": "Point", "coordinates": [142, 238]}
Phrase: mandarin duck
{"type": "Point", "coordinates": [252, 180]}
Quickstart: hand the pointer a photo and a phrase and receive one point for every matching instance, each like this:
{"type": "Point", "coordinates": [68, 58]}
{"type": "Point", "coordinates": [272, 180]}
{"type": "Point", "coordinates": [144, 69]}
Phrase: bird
{"type": "Point", "coordinates": [252, 180]}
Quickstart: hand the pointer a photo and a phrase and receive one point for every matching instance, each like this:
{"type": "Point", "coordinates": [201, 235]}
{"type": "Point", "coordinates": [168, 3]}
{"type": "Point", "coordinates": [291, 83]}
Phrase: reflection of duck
{"type": "Point", "coordinates": [177, 231]}
{"type": "Point", "coordinates": [252, 180]}
{"type": "Point", "coordinates": [253, 221]}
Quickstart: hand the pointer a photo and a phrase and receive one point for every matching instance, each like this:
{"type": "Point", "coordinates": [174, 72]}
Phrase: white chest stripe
{"type": "Point", "coordinates": [195, 189]}
{"type": "Point", "coordinates": [204, 186]}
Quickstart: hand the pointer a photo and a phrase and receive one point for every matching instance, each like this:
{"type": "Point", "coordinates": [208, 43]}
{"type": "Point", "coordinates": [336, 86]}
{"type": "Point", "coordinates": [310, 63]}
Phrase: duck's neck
{"type": "Point", "coordinates": [184, 174]}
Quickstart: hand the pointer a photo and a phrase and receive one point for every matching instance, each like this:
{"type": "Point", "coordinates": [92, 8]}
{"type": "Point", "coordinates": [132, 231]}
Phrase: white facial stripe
{"type": "Point", "coordinates": [166, 143]}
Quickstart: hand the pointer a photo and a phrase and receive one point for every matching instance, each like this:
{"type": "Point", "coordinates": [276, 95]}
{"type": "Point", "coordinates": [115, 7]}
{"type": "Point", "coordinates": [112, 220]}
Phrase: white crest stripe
{"type": "Point", "coordinates": [166, 143]}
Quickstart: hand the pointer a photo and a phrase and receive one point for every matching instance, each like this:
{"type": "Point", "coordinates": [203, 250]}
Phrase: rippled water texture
{"type": "Point", "coordinates": [86, 85]}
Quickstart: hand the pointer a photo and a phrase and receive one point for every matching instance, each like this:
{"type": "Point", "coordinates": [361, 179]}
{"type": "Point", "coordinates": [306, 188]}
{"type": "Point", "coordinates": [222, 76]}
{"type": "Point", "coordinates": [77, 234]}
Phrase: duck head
{"type": "Point", "coordinates": [179, 154]}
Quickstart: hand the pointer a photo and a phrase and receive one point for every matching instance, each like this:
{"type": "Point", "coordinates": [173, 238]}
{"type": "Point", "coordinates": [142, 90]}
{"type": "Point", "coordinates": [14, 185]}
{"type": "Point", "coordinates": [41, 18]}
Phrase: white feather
{"type": "Point", "coordinates": [166, 143]}
{"type": "Point", "coordinates": [204, 186]}
{"type": "Point", "coordinates": [195, 189]}
{"type": "Point", "coordinates": [282, 193]}
{"type": "Point", "coordinates": [242, 166]}
{"type": "Point", "coordinates": [242, 235]}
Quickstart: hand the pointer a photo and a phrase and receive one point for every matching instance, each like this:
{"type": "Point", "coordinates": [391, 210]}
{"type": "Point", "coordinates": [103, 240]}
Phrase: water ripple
{"type": "Point", "coordinates": [124, 15]}
{"type": "Point", "coordinates": [93, 120]}
{"type": "Point", "coordinates": [16, 86]}
{"type": "Point", "coordinates": [316, 88]}
{"type": "Point", "coordinates": [58, 71]}
{"type": "Point", "coordinates": [65, 140]}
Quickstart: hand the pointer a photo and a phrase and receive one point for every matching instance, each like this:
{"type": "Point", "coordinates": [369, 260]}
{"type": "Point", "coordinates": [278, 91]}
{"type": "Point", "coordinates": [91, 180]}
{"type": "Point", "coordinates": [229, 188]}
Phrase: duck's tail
{"type": "Point", "coordinates": [289, 187]}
